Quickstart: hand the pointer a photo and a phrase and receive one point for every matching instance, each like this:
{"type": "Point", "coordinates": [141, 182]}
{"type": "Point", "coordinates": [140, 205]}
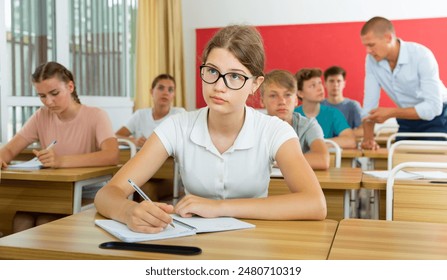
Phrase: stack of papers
{"type": "Point", "coordinates": [384, 174]}
{"type": "Point", "coordinates": [183, 227]}
{"type": "Point", "coordinates": [32, 164]}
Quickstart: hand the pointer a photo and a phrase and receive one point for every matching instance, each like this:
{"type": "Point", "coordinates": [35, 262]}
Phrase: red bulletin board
{"type": "Point", "coordinates": [292, 47]}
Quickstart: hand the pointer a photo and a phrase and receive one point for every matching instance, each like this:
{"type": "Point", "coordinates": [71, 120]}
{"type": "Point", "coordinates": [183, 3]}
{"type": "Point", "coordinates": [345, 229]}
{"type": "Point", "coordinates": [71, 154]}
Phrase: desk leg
{"type": "Point", "coordinates": [376, 208]}
{"type": "Point", "coordinates": [77, 197]}
{"type": "Point", "coordinates": [346, 202]}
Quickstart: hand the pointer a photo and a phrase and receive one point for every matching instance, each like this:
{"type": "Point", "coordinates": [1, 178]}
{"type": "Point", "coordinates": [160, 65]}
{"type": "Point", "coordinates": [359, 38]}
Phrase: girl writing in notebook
{"type": "Point", "coordinates": [224, 151]}
{"type": "Point", "coordinates": [84, 134]}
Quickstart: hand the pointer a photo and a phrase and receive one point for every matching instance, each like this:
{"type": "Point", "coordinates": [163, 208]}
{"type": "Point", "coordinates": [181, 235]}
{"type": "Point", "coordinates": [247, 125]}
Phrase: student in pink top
{"type": "Point", "coordinates": [84, 134]}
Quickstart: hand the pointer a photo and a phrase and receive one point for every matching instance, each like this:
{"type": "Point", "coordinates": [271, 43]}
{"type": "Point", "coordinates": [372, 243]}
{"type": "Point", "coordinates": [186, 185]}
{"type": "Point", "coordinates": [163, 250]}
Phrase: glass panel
{"type": "Point", "coordinates": [18, 116]}
{"type": "Point", "coordinates": [30, 40]}
{"type": "Point", "coordinates": [99, 59]}
{"type": "Point", "coordinates": [99, 34]}
{"type": "Point", "coordinates": [30, 36]}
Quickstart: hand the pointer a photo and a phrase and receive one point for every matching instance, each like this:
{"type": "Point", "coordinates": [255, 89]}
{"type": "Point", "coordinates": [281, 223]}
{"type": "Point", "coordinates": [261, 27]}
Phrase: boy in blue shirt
{"type": "Point", "coordinates": [335, 81]}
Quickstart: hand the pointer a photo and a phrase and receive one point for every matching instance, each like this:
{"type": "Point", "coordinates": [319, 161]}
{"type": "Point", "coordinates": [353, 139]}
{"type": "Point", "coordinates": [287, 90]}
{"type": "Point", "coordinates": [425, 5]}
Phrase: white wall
{"type": "Point", "coordinates": [218, 13]}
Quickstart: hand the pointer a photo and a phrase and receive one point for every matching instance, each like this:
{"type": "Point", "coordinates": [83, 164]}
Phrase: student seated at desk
{"type": "Point", "coordinates": [224, 151]}
{"type": "Point", "coordinates": [142, 124]}
{"type": "Point", "coordinates": [331, 120]}
{"type": "Point", "coordinates": [84, 134]}
{"type": "Point", "coordinates": [143, 121]}
{"type": "Point", "coordinates": [335, 82]}
{"type": "Point", "coordinates": [279, 97]}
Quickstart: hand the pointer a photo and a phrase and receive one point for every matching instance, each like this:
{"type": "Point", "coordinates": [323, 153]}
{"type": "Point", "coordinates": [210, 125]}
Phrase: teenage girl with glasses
{"type": "Point", "coordinates": [224, 151]}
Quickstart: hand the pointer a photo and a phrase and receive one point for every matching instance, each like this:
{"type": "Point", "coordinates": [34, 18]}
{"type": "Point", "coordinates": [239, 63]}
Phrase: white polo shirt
{"type": "Point", "coordinates": [142, 122]}
{"type": "Point", "coordinates": [243, 171]}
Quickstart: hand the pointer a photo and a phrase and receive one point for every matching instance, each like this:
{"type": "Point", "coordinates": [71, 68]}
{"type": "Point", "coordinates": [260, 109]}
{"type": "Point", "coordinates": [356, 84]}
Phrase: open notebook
{"type": "Point", "coordinates": [276, 172]}
{"type": "Point", "coordinates": [28, 165]}
{"type": "Point", "coordinates": [409, 175]}
{"type": "Point", "coordinates": [183, 227]}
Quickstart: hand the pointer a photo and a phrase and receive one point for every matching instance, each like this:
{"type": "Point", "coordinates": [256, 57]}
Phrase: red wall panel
{"type": "Point", "coordinates": [292, 47]}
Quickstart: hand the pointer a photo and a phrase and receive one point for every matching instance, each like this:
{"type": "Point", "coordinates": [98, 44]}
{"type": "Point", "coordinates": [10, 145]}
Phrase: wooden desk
{"type": "Point", "coordinates": [385, 240]}
{"type": "Point", "coordinates": [348, 157]}
{"type": "Point", "coordinates": [378, 185]}
{"type": "Point", "coordinates": [46, 190]}
{"type": "Point", "coordinates": [336, 184]}
{"type": "Point", "coordinates": [76, 237]}
{"type": "Point", "coordinates": [378, 159]}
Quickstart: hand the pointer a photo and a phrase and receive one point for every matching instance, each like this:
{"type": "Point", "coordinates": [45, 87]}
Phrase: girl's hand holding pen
{"type": "Point", "coordinates": [47, 156]}
{"type": "Point", "coordinates": [149, 217]}
{"type": "Point", "coordinates": [152, 217]}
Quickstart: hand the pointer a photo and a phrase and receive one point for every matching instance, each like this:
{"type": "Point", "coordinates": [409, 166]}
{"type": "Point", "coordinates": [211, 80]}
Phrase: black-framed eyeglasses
{"type": "Point", "coordinates": [232, 80]}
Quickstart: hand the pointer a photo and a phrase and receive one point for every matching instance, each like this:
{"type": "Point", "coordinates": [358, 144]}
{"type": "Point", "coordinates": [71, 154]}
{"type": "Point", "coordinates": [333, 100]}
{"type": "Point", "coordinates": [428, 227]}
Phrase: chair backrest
{"type": "Point", "coordinates": [417, 151]}
{"type": "Point", "coordinates": [416, 201]}
{"type": "Point", "coordinates": [414, 135]}
{"type": "Point", "coordinates": [335, 152]}
{"type": "Point", "coordinates": [124, 155]}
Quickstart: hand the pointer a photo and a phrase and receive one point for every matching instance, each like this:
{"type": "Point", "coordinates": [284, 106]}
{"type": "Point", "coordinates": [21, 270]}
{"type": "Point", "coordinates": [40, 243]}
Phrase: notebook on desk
{"type": "Point", "coordinates": [32, 164]}
{"type": "Point", "coordinates": [183, 227]}
{"type": "Point", "coordinates": [276, 173]}
{"type": "Point", "coordinates": [409, 175]}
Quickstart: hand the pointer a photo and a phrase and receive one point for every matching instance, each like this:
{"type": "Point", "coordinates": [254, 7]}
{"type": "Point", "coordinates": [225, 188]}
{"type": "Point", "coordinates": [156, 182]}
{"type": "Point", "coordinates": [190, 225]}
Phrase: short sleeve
{"type": "Point", "coordinates": [166, 132]}
{"type": "Point", "coordinates": [30, 130]}
{"type": "Point", "coordinates": [104, 128]}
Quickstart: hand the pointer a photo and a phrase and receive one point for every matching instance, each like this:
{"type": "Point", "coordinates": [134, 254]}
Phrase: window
{"type": "Point", "coordinates": [97, 45]}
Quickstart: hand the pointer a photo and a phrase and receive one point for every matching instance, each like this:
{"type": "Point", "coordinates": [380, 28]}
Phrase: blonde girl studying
{"type": "Point", "coordinates": [84, 134]}
{"type": "Point", "coordinates": [224, 151]}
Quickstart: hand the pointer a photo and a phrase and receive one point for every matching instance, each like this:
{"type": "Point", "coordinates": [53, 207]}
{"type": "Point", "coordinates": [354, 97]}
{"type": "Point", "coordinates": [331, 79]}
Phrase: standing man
{"type": "Point", "coordinates": [335, 82]}
{"type": "Point", "coordinates": [408, 72]}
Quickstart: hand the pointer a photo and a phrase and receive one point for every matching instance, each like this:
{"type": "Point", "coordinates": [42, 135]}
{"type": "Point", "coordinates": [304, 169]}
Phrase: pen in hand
{"type": "Point", "coordinates": [143, 195]}
{"type": "Point", "coordinates": [47, 148]}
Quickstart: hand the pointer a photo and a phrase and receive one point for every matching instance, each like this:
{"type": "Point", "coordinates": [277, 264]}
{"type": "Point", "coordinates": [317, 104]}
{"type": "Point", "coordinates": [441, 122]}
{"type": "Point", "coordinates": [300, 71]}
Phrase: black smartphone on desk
{"type": "Point", "coordinates": [155, 248]}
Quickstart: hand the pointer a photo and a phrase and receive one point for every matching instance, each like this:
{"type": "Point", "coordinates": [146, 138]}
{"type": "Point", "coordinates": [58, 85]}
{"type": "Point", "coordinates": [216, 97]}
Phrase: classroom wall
{"type": "Point", "coordinates": [198, 14]}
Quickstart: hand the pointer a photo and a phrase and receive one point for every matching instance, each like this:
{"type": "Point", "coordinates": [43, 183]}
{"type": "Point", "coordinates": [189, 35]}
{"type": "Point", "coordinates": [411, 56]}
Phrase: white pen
{"type": "Point", "coordinates": [47, 148]}
{"type": "Point", "coordinates": [140, 192]}
{"type": "Point", "coordinates": [51, 145]}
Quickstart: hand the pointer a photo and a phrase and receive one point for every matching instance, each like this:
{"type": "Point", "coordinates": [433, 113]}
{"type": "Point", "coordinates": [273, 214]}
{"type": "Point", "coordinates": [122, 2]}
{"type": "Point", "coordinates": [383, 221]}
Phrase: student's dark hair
{"type": "Point", "coordinates": [334, 70]}
{"type": "Point", "coordinates": [53, 69]}
{"type": "Point", "coordinates": [305, 74]}
{"type": "Point", "coordinates": [162, 77]}
{"type": "Point", "coordinates": [244, 42]}
{"type": "Point", "coordinates": [281, 78]}
{"type": "Point", "coordinates": [379, 25]}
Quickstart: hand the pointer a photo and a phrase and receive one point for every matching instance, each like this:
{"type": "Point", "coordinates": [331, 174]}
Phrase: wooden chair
{"type": "Point", "coordinates": [125, 146]}
{"type": "Point", "coordinates": [417, 150]}
{"type": "Point", "coordinates": [332, 199]}
{"type": "Point", "coordinates": [124, 157]}
{"type": "Point", "coordinates": [416, 201]}
{"type": "Point", "coordinates": [393, 137]}
{"type": "Point", "coordinates": [335, 152]}
{"type": "Point", "coordinates": [406, 151]}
